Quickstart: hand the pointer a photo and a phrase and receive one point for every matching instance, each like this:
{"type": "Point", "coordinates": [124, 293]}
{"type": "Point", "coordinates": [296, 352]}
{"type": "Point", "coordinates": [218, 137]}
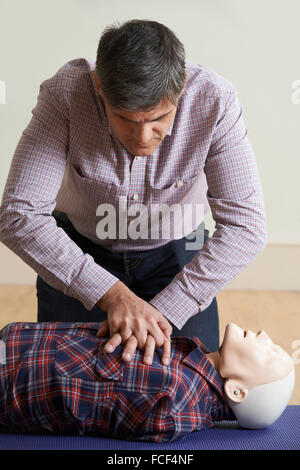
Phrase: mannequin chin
{"type": "Point", "coordinates": [259, 376]}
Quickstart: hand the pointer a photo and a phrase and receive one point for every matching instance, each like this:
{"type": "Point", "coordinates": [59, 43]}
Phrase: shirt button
{"type": "Point", "coordinates": [179, 184]}
{"type": "Point", "coordinates": [135, 196]}
{"type": "Point", "coordinates": [138, 158]}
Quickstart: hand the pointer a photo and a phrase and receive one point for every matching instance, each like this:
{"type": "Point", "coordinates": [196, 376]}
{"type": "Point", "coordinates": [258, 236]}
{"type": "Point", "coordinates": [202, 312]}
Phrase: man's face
{"type": "Point", "coordinates": [253, 359]}
{"type": "Point", "coordinates": [140, 132]}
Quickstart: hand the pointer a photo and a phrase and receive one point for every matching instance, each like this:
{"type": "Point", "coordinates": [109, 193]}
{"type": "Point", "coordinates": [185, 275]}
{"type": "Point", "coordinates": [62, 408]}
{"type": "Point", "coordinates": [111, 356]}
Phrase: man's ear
{"type": "Point", "coordinates": [182, 91]}
{"type": "Point", "coordinates": [97, 84]}
{"type": "Point", "coordinates": [235, 391]}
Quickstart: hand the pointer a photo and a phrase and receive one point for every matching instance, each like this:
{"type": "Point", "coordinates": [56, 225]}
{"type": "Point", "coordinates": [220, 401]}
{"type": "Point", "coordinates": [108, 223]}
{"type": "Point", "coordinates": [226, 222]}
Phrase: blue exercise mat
{"type": "Point", "coordinates": [284, 434]}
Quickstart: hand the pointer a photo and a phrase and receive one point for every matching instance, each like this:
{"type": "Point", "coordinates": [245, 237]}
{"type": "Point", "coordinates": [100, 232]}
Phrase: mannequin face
{"type": "Point", "coordinates": [248, 359]}
{"type": "Point", "coordinates": [140, 132]}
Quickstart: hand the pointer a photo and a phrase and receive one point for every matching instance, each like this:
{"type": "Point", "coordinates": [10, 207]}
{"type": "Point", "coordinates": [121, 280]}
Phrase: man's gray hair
{"type": "Point", "coordinates": [138, 64]}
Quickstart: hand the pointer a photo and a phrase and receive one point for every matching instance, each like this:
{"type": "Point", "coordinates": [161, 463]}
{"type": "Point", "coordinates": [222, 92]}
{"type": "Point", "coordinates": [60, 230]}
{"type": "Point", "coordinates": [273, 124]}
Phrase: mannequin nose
{"type": "Point", "coordinates": [263, 335]}
{"type": "Point", "coordinates": [249, 333]}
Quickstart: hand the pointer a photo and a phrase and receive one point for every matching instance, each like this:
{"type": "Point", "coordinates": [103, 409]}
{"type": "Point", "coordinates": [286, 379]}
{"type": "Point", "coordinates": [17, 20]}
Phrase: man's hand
{"type": "Point", "coordinates": [134, 323]}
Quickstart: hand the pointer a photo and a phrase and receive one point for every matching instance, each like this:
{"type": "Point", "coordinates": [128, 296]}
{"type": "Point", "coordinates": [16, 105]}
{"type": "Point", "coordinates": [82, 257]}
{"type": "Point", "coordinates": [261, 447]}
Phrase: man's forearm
{"type": "Point", "coordinates": [26, 225]}
{"type": "Point", "coordinates": [53, 255]}
{"type": "Point", "coordinates": [223, 257]}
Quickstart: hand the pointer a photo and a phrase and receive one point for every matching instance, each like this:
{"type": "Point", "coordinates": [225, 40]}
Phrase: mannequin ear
{"type": "Point", "coordinates": [235, 391]}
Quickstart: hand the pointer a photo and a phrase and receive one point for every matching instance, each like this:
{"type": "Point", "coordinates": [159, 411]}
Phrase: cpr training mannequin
{"type": "Point", "coordinates": [259, 376]}
{"type": "Point", "coordinates": [57, 378]}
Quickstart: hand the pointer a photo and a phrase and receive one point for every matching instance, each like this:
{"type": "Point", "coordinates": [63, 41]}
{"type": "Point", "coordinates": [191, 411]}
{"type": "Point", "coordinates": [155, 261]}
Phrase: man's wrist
{"type": "Point", "coordinates": [114, 294]}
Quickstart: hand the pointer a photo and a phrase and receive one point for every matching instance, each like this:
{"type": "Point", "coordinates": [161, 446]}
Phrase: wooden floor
{"type": "Point", "coordinates": [276, 312]}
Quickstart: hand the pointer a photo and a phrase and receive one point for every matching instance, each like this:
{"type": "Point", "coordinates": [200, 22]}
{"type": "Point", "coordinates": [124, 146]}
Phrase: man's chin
{"type": "Point", "coordinates": [142, 152]}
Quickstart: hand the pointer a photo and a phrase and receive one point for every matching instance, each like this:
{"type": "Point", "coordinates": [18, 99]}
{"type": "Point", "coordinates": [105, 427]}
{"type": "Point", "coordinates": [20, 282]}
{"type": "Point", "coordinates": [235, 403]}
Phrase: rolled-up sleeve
{"type": "Point", "coordinates": [236, 200]}
{"type": "Point", "coordinates": [29, 198]}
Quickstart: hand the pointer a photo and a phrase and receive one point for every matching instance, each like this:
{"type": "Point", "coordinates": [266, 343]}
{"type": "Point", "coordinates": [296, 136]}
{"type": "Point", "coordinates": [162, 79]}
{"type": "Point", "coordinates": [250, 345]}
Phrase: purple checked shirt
{"type": "Point", "coordinates": [68, 159]}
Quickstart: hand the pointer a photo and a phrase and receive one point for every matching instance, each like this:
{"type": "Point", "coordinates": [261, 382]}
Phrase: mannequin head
{"type": "Point", "coordinates": [258, 376]}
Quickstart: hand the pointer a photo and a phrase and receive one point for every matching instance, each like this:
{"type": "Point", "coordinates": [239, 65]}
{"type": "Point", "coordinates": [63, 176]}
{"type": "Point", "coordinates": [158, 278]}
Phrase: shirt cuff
{"type": "Point", "coordinates": [91, 283]}
{"type": "Point", "coordinates": [176, 304]}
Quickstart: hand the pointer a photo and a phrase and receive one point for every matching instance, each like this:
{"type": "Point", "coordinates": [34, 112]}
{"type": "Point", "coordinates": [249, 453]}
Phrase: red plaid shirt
{"type": "Point", "coordinates": [57, 378]}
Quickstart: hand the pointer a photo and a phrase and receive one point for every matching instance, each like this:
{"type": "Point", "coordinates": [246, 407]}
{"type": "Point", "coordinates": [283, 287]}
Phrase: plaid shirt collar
{"type": "Point", "coordinates": [198, 361]}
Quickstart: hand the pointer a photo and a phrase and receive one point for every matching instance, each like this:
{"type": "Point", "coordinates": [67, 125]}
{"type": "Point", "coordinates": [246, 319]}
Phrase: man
{"type": "Point", "coordinates": [57, 378]}
{"type": "Point", "coordinates": [140, 126]}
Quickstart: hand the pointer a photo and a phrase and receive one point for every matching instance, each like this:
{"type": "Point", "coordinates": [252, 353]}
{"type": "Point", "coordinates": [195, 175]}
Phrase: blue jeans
{"type": "Point", "coordinates": [146, 273]}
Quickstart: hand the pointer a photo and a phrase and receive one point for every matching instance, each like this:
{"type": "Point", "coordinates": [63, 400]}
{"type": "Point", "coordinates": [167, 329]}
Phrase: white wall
{"type": "Point", "coordinates": [253, 43]}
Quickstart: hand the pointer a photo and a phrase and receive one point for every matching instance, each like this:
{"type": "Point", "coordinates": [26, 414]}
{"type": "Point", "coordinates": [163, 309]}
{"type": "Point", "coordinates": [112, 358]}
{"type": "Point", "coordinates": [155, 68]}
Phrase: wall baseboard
{"type": "Point", "coordinates": [276, 268]}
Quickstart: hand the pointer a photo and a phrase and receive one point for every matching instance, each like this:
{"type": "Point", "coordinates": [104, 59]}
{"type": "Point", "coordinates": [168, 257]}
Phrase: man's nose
{"type": "Point", "coordinates": [143, 133]}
